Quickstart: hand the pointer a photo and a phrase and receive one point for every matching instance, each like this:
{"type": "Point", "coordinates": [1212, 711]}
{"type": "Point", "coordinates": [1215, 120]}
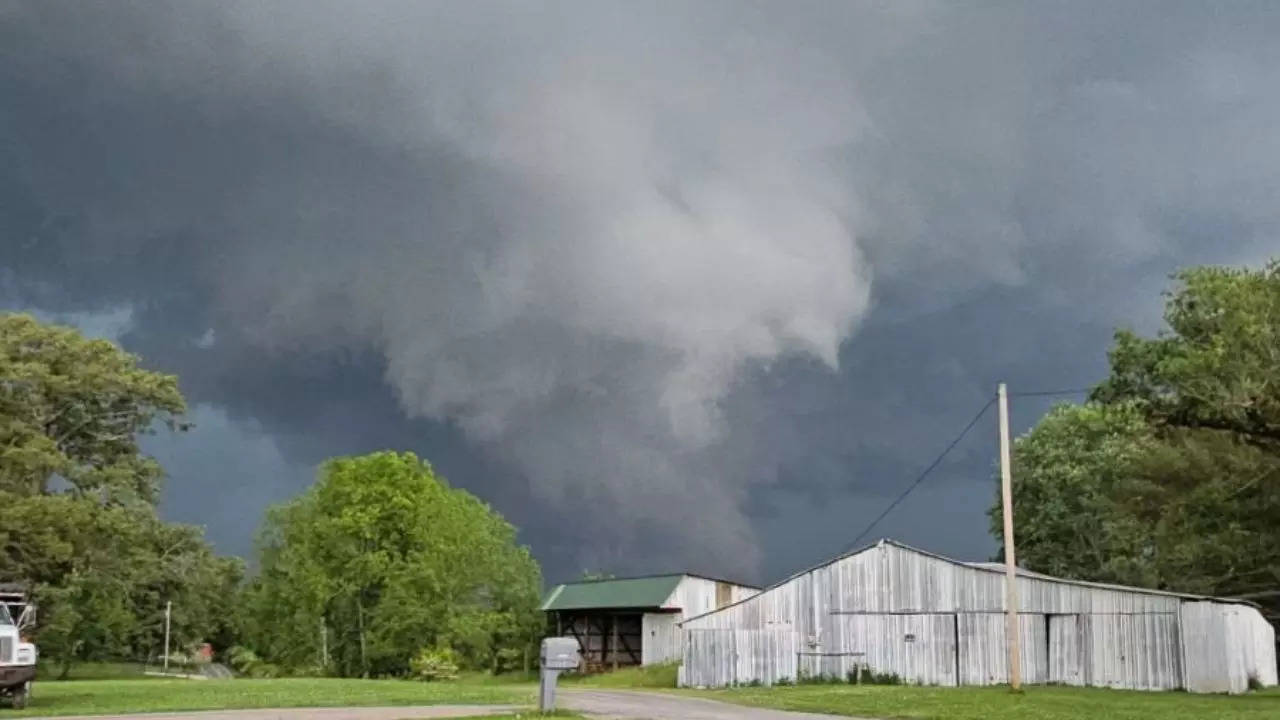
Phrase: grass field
{"type": "Point", "coordinates": [88, 697]}
{"type": "Point", "coordinates": [995, 703]}
{"type": "Point", "coordinates": [654, 677]}
{"type": "Point", "coordinates": [94, 671]}
{"type": "Point", "coordinates": [126, 693]}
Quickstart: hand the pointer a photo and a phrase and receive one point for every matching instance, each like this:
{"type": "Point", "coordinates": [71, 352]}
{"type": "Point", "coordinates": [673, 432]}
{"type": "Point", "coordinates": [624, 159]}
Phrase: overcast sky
{"type": "Point", "coordinates": [671, 285]}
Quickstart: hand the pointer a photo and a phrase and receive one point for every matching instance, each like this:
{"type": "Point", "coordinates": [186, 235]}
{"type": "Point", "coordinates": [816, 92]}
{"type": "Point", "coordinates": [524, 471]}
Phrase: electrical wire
{"type": "Point", "coordinates": [1052, 393]}
{"type": "Point", "coordinates": [932, 466]}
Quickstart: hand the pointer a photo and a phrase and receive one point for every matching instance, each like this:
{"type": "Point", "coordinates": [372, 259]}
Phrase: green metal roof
{"type": "Point", "coordinates": [642, 592]}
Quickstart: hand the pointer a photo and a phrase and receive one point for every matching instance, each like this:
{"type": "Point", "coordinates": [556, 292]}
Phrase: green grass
{"type": "Point", "coordinates": [89, 697]}
{"type": "Point", "coordinates": [652, 676]}
{"type": "Point", "coordinates": [997, 703]}
{"type": "Point", "coordinates": [93, 671]}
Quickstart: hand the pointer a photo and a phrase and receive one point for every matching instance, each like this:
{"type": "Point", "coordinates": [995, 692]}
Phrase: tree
{"type": "Point", "coordinates": [390, 560]}
{"type": "Point", "coordinates": [1219, 367]}
{"type": "Point", "coordinates": [1169, 477]}
{"type": "Point", "coordinates": [73, 408]}
{"type": "Point", "coordinates": [78, 523]}
{"type": "Point", "coordinates": [103, 573]}
{"type": "Point", "coordinates": [1074, 473]}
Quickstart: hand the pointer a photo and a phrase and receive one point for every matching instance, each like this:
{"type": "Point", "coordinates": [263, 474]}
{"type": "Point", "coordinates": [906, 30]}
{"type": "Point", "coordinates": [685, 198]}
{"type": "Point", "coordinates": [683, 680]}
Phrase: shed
{"type": "Point", "coordinates": [932, 620]}
{"type": "Point", "coordinates": [633, 621]}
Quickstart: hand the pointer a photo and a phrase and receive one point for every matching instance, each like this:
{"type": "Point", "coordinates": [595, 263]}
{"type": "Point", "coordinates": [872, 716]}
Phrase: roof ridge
{"type": "Point", "coordinates": [962, 563]}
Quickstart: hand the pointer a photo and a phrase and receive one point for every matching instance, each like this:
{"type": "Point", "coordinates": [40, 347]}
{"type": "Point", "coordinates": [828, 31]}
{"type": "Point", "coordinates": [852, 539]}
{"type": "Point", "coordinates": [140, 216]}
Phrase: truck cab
{"type": "Point", "coordinates": [17, 655]}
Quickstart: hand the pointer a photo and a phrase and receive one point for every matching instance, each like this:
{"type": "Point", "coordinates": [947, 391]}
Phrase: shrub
{"type": "Point", "coordinates": [247, 663]}
{"type": "Point", "coordinates": [871, 677]}
{"type": "Point", "coordinates": [434, 664]}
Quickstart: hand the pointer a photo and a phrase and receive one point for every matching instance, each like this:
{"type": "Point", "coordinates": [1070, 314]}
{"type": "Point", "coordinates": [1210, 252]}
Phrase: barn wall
{"type": "Point", "coordinates": [1133, 651]}
{"type": "Point", "coordinates": [1262, 653]}
{"type": "Point", "coordinates": [1073, 634]}
{"type": "Point", "coordinates": [719, 658]}
{"type": "Point", "coordinates": [695, 596]}
{"type": "Point", "coordinates": [1225, 647]}
{"type": "Point", "coordinates": [661, 638]}
{"type": "Point", "coordinates": [984, 658]}
{"type": "Point", "coordinates": [917, 648]}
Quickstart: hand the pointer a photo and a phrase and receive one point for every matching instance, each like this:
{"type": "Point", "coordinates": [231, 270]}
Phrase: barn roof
{"type": "Point", "coordinates": [638, 592]}
{"type": "Point", "coordinates": [986, 567]}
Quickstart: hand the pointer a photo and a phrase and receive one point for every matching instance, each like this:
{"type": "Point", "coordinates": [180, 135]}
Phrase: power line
{"type": "Point", "coordinates": [1051, 393]}
{"type": "Point", "coordinates": [932, 466]}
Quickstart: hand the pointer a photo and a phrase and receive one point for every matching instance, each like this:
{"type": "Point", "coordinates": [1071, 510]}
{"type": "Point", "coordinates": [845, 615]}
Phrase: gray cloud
{"type": "Point", "coordinates": [612, 264]}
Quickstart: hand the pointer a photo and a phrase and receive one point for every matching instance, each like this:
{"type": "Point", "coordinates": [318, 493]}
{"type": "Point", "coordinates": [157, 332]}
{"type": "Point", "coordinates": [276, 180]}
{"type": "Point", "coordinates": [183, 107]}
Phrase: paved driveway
{"type": "Point", "coordinates": [631, 705]}
{"type": "Point", "coordinates": [358, 713]}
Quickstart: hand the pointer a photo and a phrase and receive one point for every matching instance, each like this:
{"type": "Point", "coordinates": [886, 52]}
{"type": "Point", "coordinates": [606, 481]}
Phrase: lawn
{"type": "Point", "coordinates": [996, 703]}
{"type": "Point", "coordinates": [95, 671]}
{"type": "Point", "coordinates": [653, 677]}
{"type": "Point", "coordinates": [88, 697]}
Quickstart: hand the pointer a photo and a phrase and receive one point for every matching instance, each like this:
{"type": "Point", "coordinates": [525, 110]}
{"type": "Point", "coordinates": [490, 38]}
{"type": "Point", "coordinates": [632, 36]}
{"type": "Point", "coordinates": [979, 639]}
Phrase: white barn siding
{"type": "Point", "coordinates": [1133, 651]}
{"type": "Point", "coordinates": [983, 657]}
{"type": "Point", "coordinates": [1072, 633]}
{"type": "Point", "coordinates": [1261, 653]}
{"type": "Point", "coordinates": [917, 648]}
{"type": "Point", "coordinates": [1066, 650]}
{"type": "Point", "coordinates": [663, 639]}
{"type": "Point", "coordinates": [695, 595]}
{"type": "Point", "coordinates": [1225, 647]}
{"type": "Point", "coordinates": [660, 638]}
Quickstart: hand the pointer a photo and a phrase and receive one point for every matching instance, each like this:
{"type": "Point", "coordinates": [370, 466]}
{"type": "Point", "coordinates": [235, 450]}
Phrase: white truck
{"type": "Point", "coordinates": [17, 656]}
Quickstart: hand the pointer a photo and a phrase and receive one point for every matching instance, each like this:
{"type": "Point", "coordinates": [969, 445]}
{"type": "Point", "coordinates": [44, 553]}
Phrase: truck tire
{"type": "Point", "coordinates": [21, 695]}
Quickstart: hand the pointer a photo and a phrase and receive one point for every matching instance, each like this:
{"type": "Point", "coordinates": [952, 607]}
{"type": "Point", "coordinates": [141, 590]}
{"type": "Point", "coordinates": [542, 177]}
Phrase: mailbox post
{"type": "Point", "coordinates": [558, 654]}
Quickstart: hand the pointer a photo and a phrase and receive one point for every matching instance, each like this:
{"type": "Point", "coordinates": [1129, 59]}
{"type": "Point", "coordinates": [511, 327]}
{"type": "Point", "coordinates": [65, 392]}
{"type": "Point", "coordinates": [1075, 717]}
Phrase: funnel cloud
{"type": "Point", "coordinates": [672, 285]}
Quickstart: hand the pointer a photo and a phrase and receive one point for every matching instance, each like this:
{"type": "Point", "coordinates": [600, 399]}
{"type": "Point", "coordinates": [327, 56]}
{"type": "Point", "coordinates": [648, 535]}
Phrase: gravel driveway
{"type": "Point", "coordinates": [632, 705]}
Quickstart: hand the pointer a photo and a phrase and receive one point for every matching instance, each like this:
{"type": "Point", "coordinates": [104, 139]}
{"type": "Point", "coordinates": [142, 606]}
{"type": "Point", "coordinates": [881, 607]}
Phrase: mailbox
{"type": "Point", "coordinates": [558, 654]}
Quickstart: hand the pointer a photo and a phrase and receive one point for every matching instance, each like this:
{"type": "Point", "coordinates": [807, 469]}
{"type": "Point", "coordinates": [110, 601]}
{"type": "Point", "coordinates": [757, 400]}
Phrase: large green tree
{"type": "Point", "coordinates": [78, 524]}
{"type": "Point", "coordinates": [73, 408]}
{"type": "Point", "coordinates": [380, 559]}
{"type": "Point", "coordinates": [1169, 476]}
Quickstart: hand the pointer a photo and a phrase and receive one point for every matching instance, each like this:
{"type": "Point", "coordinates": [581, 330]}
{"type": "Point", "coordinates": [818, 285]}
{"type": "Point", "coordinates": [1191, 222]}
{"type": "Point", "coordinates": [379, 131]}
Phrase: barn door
{"type": "Point", "coordinates": [1066, 650]}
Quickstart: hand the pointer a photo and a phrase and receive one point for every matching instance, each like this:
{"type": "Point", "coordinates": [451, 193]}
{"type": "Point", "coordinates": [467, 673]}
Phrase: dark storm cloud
{"type": "Point", "coordinates": [611, 265]}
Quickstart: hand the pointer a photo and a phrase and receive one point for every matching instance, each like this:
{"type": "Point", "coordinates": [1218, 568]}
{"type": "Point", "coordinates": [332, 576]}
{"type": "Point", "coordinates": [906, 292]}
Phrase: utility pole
{"type": "Point", "coordinates": [168, 612]}
{"type": "Point", "coordinates": [324, 644]}
{"type": "Point", "coordinates": [1010, 566]}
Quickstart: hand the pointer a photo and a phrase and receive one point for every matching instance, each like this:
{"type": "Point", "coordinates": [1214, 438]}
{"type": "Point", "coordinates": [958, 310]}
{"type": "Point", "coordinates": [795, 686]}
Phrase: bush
{"type": "Point", "coordinates": [437, 664]}
{"type": "Point", "coordinates": [871, 677]}
{"type": "Point", "coordinates": [247, 663]}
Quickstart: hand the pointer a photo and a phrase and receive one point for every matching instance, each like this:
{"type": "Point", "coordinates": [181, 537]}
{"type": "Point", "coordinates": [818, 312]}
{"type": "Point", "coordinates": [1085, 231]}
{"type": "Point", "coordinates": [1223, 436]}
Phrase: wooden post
{"type": "Point", "coordinates": [1011, 629]}
{"type": "Point", "coordinates": [613, 619]}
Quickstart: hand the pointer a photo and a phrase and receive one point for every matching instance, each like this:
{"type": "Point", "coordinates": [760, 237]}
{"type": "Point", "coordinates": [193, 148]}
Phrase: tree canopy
{"type": "Point", "coordinates": [78, 524]}
{"type": "Point", "coordinates": [1169, 476]}
{"type": "Point", "coordinates": [382, 559]}
{"type": "Point", "coordinates": [73, 408]}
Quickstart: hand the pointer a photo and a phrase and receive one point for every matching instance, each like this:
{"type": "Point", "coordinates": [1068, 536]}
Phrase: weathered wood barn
{"type": "Point", "coordinates": [634, 621]}
{"type": "Point", "coordinates": [932, 620]}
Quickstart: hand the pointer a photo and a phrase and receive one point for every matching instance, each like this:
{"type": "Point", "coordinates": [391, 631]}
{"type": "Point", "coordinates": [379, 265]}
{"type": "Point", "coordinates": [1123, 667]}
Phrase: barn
{"type": "Point", "coordinates": [932, 620]}
{"type": "Point", "coordinates": [634, 621]}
